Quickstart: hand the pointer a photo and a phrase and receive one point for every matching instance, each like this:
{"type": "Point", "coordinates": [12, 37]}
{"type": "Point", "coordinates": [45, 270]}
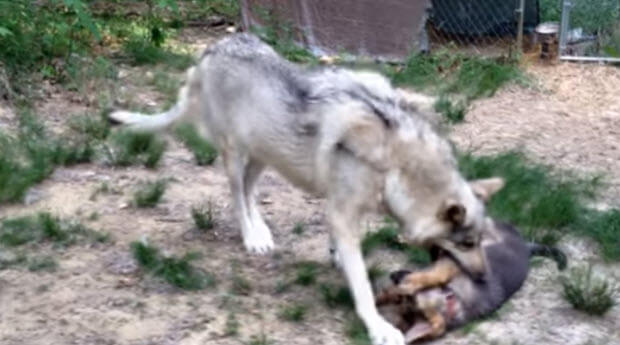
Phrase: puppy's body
{"type": "Point", "coordinates": [447, 297]}
{"type": "Point", "coordinates": [336, 133]}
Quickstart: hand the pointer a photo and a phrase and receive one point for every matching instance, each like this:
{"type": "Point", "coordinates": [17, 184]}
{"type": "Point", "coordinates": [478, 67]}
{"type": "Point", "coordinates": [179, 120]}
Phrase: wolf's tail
{"type": "Point", "coordinates": [551, 252]}
{"type": "Point", "coordinates": [151, 123]}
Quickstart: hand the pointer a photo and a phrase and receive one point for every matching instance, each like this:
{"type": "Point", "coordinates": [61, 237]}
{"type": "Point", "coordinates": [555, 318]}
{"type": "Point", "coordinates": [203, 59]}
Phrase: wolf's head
{"type": "Point", "coordinates": [447, 212]}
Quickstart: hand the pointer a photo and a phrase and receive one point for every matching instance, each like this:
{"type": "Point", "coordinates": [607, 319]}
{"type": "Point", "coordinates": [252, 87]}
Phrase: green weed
{"type": "Point", "coordinates": [94, 127]}
{"type": "Point", "coordinates": [44, 227]}
{"type": "Point", "coordinates": [232, 325]}
{"type": "Point", "coordinates": [298, 229]}
{"type": "Point", "coordinates": [336, 296]}
{"type": "Point", "coordinates": [178, 272]}
{"type": "Point", "coordinates": [32, 156]}
{"type": "Point", "coordinates": [375, 272]}
{"type": "Point", "coordinates": [306, 273]}
{"type": "Point", "coordinates": [204, 152]}
{"type": "Point", "coordinates": [45, 263]}
{"type": "Point", "coordinates": [294, 312]}
{"type": "Point", "coordinates": [454, 112]}
{"type": "Point", "coordinates": [260, 340]}
{"type": "Point", "coordinates": [592, 295]}
{"type": "Point", "coordinates": [143, 51]}
{"type": "Point", "coordinates": [166, 84]}
{"type": "Point", "coordinates": [240, 285]}
{"type": "Point", "coordinates": [203, 217]}
{"type": "Point", "coordinates": [128, 148]}
{"type": "Point", "coordinates": [604, 228]}
{"type": "Point", "coordinates": [357, 333]}
{"type": "Point", "coordinates": [149, 194]}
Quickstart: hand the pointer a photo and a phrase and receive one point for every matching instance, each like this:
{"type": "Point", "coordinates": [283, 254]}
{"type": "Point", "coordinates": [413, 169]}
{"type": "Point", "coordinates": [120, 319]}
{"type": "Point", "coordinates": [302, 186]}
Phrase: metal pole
{"type": "Point", "coordinates": [590, 59]}
{"type": "Point", "coordinates": [566, 6]}
{"type": "Point", "coordinates": [521, 14]}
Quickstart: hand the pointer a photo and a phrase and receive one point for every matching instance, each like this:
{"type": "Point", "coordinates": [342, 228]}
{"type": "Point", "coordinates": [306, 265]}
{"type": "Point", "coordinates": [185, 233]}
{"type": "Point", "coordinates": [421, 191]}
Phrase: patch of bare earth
{"type": "Point", "coordinates": [99, 296]}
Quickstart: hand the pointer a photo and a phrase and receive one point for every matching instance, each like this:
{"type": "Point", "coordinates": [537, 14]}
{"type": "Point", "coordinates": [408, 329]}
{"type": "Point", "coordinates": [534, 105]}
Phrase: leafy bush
{"type": "Point", "coordinates": [32, 155]}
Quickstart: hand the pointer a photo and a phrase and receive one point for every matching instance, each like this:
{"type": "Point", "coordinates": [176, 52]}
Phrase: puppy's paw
{"type": "Point", "coordinates": [383, 333]}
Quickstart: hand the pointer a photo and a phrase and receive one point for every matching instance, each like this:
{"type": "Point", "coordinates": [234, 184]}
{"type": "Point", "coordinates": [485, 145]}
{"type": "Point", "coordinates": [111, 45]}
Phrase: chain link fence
{"type": "Point", "coordinates": [590, 30]}
{"type": "Point", "coordinates": [481, 27]}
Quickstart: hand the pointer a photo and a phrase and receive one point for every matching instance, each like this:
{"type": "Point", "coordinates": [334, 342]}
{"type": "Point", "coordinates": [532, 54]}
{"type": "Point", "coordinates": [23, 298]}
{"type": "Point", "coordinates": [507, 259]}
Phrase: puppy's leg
{"type": "Point", "coordinates": [348, 246]}
{"type": "Point", "coordinates": [235, 162]}
{"type": "Point", "coordinates": [440, 273]}
{"type": "Point", "coordinates": [253, 171]}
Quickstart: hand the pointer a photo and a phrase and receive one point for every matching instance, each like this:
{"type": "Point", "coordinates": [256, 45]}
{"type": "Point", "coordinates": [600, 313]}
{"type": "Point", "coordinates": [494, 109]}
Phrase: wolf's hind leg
{"type": "Point", "coordinates": [254, 239]}
{"type": "Point", "coordinates": [252, 172]}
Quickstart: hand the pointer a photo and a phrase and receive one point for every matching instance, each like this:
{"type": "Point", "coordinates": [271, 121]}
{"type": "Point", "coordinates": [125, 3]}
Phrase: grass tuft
{"type": "Point", "coordinates": [203, 217]}
{"type": "Point", "coordinates": [451, 111]}
{"type": "Point", "coordinates": [294, 312]}
{"type": "Point", "coordinates": [260, 340]}
{"type": "Point", "coordinates": [299, 229]}
{"type": "Point", "coordinates": [93, 127]}
{"type": "Point", "coordinates": [149, 194]}
{"type": "Point", "coordinates": [232, 325]}
{"type": "Point", "coordinates": [357, 333]}
{"type": "Point", "coordinates": [176, 271]}
{"type": "Point", "coordinates": [307, 272]}
{"type": "Point", "coordinates": [204, 152]}
{"type": "Point", "coordinates": [44, 227]}
{"type": "Point", "coordinates": [594, 296]}
{"type": "Point", "coordinates": [336, 296]}
{"type": "Point", "coordinates": [45, 263]}
{"type": "Point", "coordinates": [127, 148]}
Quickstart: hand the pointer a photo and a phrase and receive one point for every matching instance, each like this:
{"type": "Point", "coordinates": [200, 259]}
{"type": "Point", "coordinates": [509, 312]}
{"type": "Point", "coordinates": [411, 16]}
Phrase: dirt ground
{"type": "Point", "coordinates": [569, 118]}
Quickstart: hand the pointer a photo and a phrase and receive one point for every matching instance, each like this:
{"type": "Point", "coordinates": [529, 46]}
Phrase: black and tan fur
{"type": "Point", "coordinates": [426, 303]}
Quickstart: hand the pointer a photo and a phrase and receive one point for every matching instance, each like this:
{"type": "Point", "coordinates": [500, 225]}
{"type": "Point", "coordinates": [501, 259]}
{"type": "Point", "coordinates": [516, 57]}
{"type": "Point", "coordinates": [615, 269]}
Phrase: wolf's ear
{"type": "Point", "coordinates": [452, 212]}
{"type": "Point", "coordinates": [367, 139]}
{"type": "Point", "coordinates": [485, 188]}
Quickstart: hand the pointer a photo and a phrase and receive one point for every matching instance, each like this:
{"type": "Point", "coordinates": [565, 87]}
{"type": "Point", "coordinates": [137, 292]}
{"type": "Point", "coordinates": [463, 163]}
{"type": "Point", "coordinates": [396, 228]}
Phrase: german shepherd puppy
{"type": "Point", "coordinates": [444, 296]}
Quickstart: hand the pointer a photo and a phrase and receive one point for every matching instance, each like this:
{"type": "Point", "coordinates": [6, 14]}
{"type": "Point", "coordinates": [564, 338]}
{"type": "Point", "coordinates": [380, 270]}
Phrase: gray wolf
{"type": "Point", "coordinates": [345, 135]}
{"type": "Point", "coordinates": [444, 297]}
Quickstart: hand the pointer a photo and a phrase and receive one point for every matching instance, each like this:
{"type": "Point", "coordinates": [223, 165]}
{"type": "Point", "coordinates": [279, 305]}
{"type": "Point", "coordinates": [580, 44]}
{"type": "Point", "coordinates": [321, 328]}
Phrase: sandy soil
{"type": "Point", "coordinates": [99, 296]}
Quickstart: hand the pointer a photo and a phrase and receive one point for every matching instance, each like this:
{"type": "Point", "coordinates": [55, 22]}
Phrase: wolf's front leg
{"type": "Point", "coordinates": [347, 241]}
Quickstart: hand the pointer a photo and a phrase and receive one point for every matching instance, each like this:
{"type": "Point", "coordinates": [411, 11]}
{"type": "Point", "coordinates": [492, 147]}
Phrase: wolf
{"type": "Point", "coordinates": [344, 135]}
{"type": "Point", "coordinates": [444, 296]}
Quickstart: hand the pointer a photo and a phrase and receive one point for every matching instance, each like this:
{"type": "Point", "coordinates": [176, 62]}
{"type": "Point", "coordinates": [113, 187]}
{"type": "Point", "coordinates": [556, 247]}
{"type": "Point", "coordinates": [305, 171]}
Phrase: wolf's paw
{"type": "Point", "coordinates": [383, 333]}
{"type": "Point", "coordinates": [258, 240]}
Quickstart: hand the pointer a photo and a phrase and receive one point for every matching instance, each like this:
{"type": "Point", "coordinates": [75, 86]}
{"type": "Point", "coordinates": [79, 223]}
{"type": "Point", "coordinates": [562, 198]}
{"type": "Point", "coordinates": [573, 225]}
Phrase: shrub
{"type": "Point", "coordinates": [594, 296]}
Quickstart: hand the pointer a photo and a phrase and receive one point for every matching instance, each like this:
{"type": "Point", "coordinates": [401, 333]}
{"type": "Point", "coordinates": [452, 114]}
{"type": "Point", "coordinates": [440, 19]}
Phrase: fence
{"type": "Point", "coordinates": [590, 30]}
{"type": "Point", "coordinates": [481, 27]}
